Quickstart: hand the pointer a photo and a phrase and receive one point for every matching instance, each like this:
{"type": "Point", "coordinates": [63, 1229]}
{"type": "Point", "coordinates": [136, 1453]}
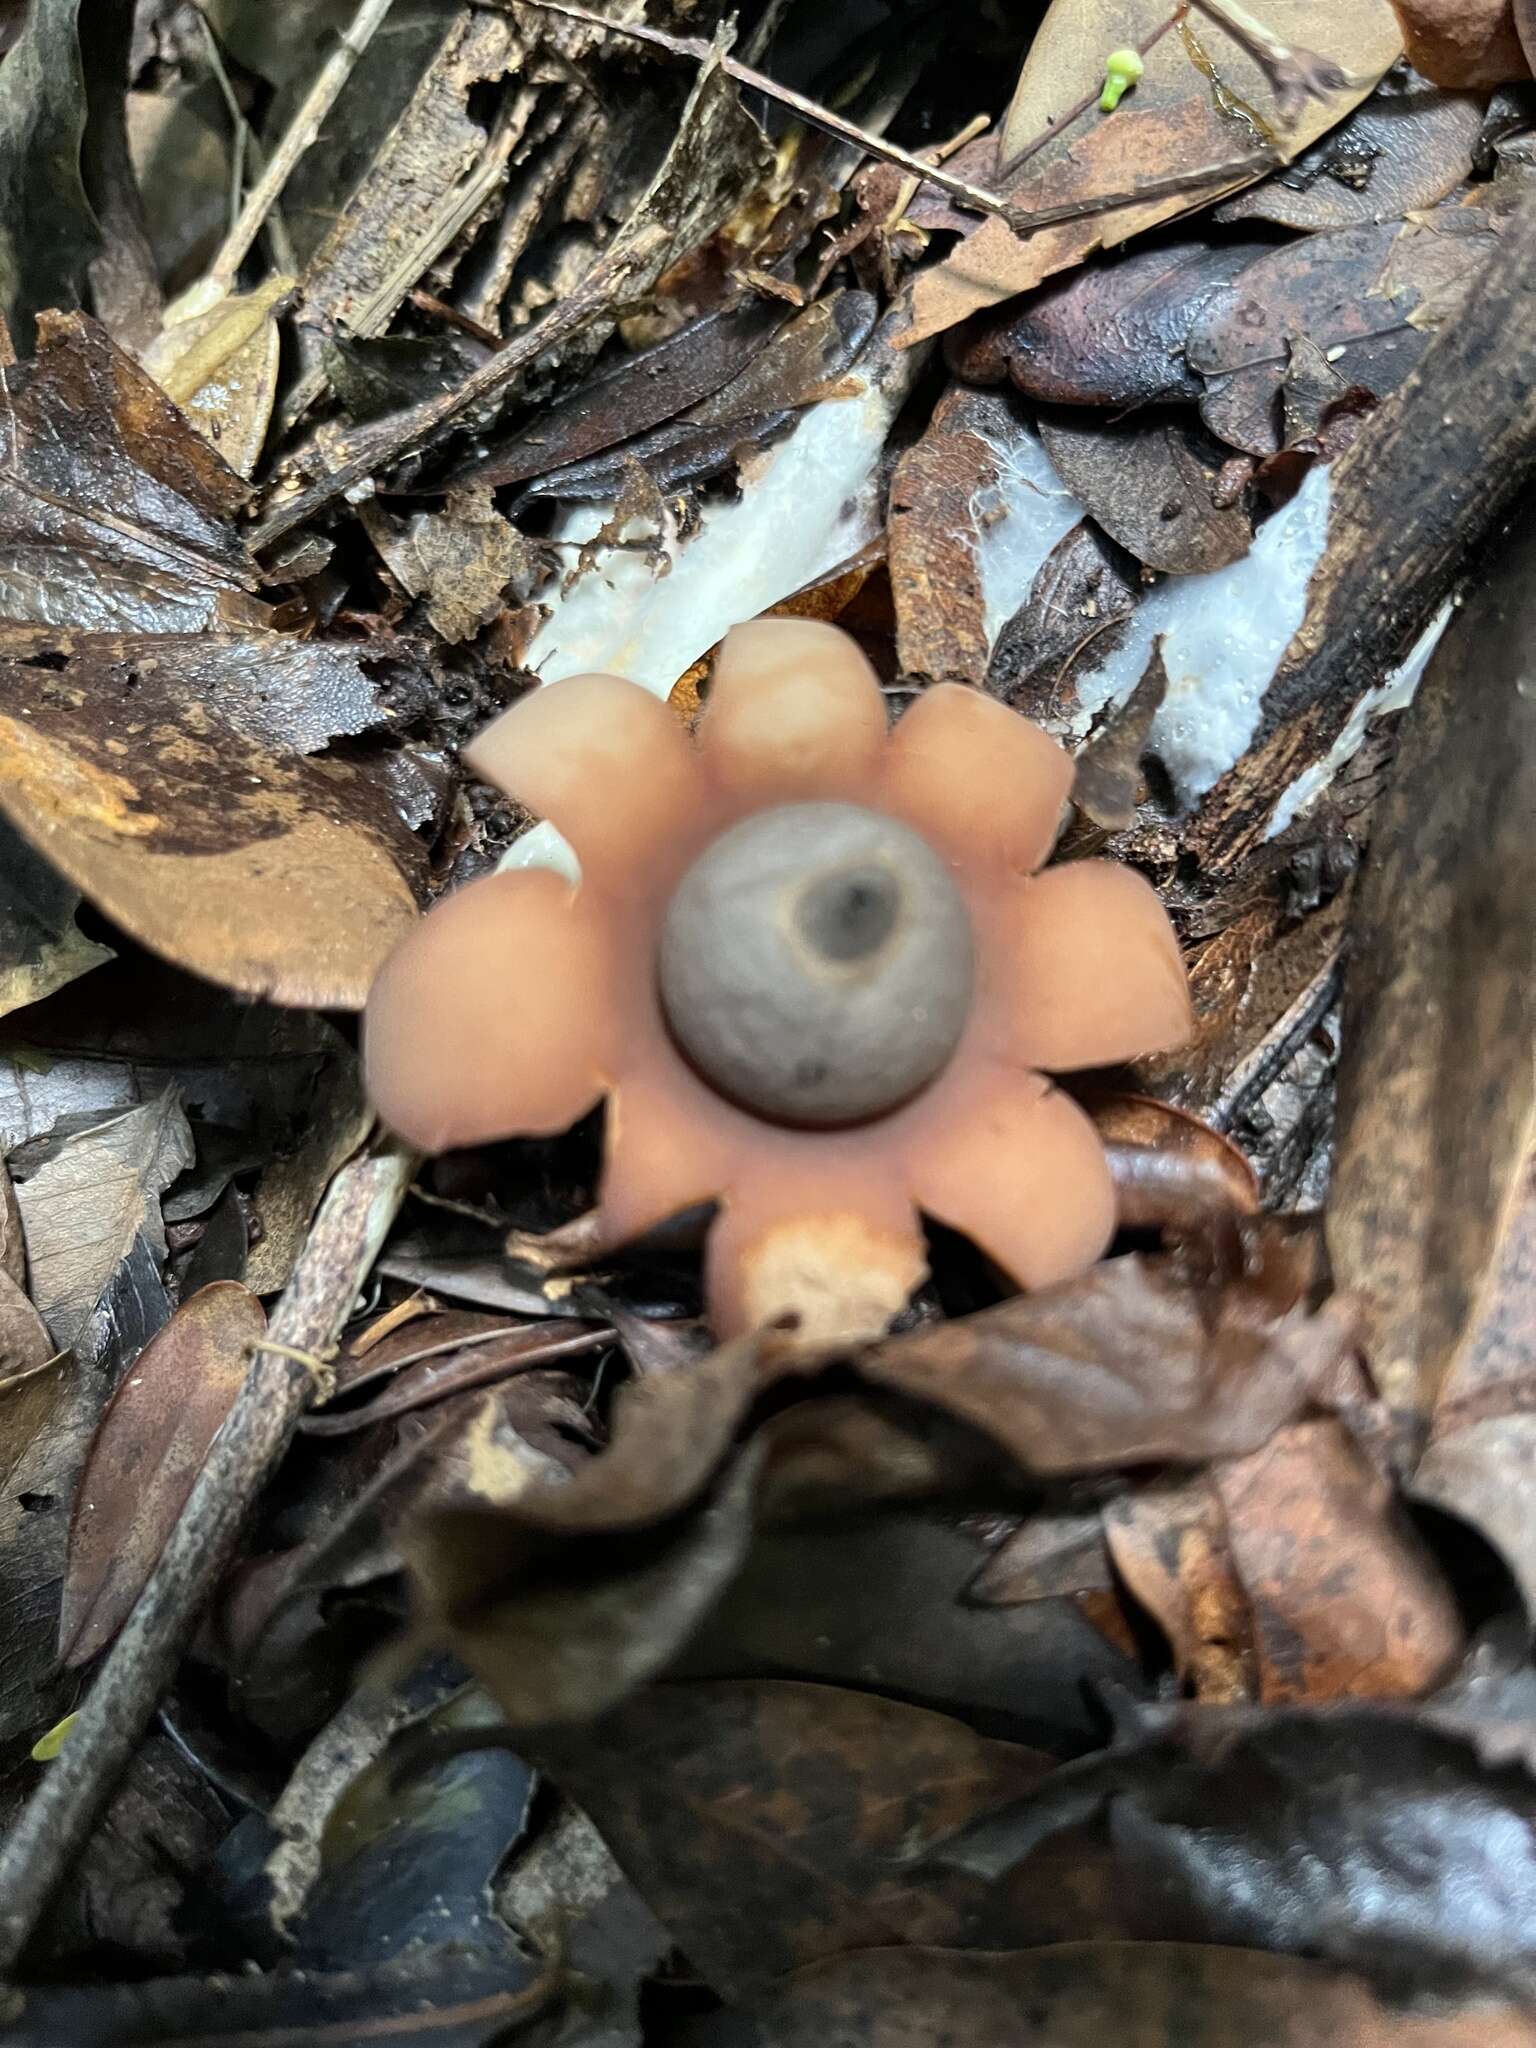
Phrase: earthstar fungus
{"type": "Point", "coordinates": [811, 966]}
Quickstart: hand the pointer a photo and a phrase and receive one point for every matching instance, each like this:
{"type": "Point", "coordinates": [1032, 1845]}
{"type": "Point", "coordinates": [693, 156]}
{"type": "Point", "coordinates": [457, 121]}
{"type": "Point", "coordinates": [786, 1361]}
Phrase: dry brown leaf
{"type": "Point", "coordinates": [1346, 1601]}
{"type": "Point", "coordinates": [1169, 1543]}
{"type": "Point", "coordinates": [767, 1823]}
{"type": "Point", "coordinates": [147, 1451]}
{"type": "Point", "coordinates": [269, 873]}
{"type": "Point", "coordinates": [1107, 780]}
{"type": "Point", "coordinates": [933, 535]}
{"type": "Point", "coordinates": [1139, 1994]}
{"type": "Point", "coordinates": [460, 559]}
{"type": "Point", "coordinates": [1437, 1094]}
{"type": "Point", "coordinates": [1204, 106]}
{"type": "Point", "coordinates": [1463, 42]}
{"type": "Point", "coordinates": [220, 367]}
{"type": "Point", "coordinates": [1151, 484]}
{"type": "Point", "coordinates": [1134, 1363]}
{"type": "Point", "coordinates": [1410, 144]}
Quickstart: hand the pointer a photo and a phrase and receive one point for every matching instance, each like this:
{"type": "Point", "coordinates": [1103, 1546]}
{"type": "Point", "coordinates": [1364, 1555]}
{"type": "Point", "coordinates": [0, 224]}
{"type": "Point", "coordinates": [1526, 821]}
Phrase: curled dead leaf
{"type": "Point", "coordinates": [147, 1451]}
{"type": "Point", "coordinates": [1464, 42]}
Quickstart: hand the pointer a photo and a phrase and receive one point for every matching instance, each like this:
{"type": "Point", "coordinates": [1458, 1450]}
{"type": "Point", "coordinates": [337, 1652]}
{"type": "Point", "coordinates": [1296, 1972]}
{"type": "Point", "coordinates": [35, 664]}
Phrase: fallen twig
{"type": "Point", "coordinates": [56, 1822]}
{"type": "Point", "coordinates": [1296, 75]}
{"type": "Point", "coordinates": [300, 133]}
{"type": "Point", "coordinates": [959, 189]}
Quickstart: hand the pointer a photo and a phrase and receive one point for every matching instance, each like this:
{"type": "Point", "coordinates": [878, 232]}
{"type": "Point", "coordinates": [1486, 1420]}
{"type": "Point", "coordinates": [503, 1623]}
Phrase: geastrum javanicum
{"type": "Point", "coordinates": [811, 965]}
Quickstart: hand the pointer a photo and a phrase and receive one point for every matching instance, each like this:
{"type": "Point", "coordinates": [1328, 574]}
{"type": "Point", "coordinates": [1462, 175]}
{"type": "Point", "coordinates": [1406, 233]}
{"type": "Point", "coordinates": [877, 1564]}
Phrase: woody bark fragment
{"type": "Point", "coordinates": [1432, 475]}
{"type": "Point", "coordinates": [1436, 1094]}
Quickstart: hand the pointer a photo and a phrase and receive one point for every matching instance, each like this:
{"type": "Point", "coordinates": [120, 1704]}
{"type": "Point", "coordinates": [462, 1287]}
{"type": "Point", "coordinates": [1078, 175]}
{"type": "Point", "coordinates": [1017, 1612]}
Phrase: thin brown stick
{"type": "Point", "coordinates": [56, 1822]}
{"type": "Point", "coordinates": [300, 133]}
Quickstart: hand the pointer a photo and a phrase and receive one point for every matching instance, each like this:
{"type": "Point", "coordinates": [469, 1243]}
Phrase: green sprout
{"type": "Point", "coordinates": [1122, 68]}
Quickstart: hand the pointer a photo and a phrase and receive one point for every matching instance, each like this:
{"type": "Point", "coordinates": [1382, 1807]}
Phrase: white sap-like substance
{"type": "Point", "coordinates": [808, 503]}
{"type": "Point", "coordinates": [1018, 521]}
{"type": "Point", "coordinates": [814, 502]}
{"type": "Point", "coordinates": [1224, 633]}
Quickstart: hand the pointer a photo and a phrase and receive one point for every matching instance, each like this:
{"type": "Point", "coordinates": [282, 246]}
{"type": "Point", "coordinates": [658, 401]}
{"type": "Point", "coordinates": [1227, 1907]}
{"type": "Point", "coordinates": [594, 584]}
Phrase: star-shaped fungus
{"type": "Point", "coordinates": [811, 965]}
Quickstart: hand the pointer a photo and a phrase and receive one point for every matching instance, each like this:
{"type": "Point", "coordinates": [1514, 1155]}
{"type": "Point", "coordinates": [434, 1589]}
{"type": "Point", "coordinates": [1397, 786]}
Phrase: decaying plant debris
{"type": "Point", "coordinates": [418, 1626]}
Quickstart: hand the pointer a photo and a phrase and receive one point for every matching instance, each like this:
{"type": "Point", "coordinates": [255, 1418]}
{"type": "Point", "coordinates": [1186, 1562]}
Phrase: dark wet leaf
{"type": "Point", "coordinates": [435, 1998]}
{"type": "Point", "coordinates": [407, 1857]}
{"type": "Point", "coordinates": [253, 1075]}
{"type": "Point", "coordinates": [448, 1353]}
{"type": "Point", "coordinates": [274, 689]}
{"type": "Point", "coordinates": [48, 232]}
{"type": "Point", "coordinates": [1085, 588]}
{"type": "Point", "coordinates": [251, 865]}
{"type": "Point", "coordinates": [288, 1193]}
{"type": "Point", "coordinates": [892, 1599]}
{"type": "Point", "coordinates": [1436, 1092]}
{"type": "Point", "coordinates": [1326, 287]}
{"type": "Point", "coordinates": [768, 1824]}
{"type": "Point", "coordinates": [88, 1199]}
{"type": "Point", "coordinates": [129, 1893]}
{"type": "Point", "coordinates": [1081, 1995]}
{"type": "Point", "coordinates": [470, 1452]}
{"type": "Point", "coordinates": [798, 363]}
{"type": "Point", "coordinates": [1151, 483]}
{"type": "Point", "coordinates": [549, 1653]}
{"type": "Point", "coordinates": [1409, 145]}
{"type": "Point", "coordinates": [41, 946]}
{"type": "Point", "coordinates": [672, 457]}
{"type": "Point", "coordinates": [146, 1453]}
{"type": "Point", "coordinates": [1107, 779]}
{"type": "Point", "coordinates": [222, 1248]}
{"type": "Point", "coordinates": [1111, 334]}
{"type": "Point", "coordinates": [117, 516]}
{"type": "Point", "coordinates": [1352, 1835]}
{"type": "Point", "coordinates": [1135, 1362]}
{"type": "Point", "coordinates": [636, 393]}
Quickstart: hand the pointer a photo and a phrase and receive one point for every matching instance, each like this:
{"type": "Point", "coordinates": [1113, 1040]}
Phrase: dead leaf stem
{"type": "Point", "coordinates": [57, 1821]}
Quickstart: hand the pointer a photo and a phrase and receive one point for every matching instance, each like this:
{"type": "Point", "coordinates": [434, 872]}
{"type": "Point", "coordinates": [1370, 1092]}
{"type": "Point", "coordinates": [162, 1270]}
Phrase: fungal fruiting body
{"type": "Point", "coordinates": [810, 964]}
